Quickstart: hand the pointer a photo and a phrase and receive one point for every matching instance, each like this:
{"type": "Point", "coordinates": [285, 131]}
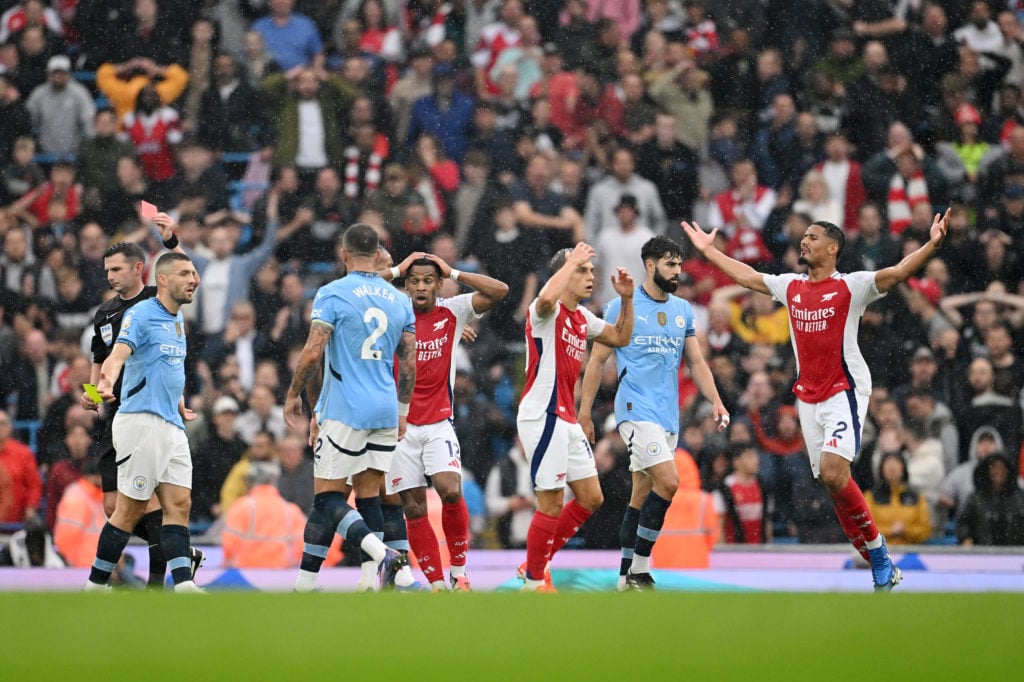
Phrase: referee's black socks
{"type": "Point", "coordinates": [148, 528]}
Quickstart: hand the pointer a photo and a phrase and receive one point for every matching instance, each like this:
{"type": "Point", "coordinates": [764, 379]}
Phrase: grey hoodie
{"type": "Point", "coordinates": [958, 484]}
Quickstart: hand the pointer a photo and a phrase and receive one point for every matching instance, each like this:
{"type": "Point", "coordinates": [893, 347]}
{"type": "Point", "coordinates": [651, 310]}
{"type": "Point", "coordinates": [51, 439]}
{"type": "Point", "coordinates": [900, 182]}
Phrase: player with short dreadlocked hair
{"type": "Point", "coordinates": [430, 447]}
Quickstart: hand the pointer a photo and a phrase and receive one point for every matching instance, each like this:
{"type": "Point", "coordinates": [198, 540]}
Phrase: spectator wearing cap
{"type": "Point", "coordinates": [1006, 217]}
{"type": "Point", "coordinates": [417, 82]}
{"type": "Point", "coordinates": [923, 372]}
{"type": "Point", "coordinates": [218, 452]}
{"type": "Point", "coordinates": [61, 109]}
{"type": "Point", "coordinates": [446, 113]}
{"type": "Point", "coordinates": [291, 38]}
{"type": "Point", "coordinates": [970, 149]}
{"type": "Point", "coordinates": [619, 245]}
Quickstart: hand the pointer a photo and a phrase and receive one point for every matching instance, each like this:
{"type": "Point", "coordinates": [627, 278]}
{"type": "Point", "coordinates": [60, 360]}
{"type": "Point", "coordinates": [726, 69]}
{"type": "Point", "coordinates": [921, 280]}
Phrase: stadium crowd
{"type": "Point", "coordinates": [493, 133]}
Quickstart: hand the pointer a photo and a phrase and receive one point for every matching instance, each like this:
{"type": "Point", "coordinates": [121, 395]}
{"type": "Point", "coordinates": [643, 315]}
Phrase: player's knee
{"type": "Point", "coordinates": [414, 509]}
{"type": "Point", "coordinates": [450, 496]}
{"type": "Point", "coordinates": [834, 478]}
{"type": "Point", "coordinates": [592, 502]}
{"type": "Point", "coordinates": [667, 489]}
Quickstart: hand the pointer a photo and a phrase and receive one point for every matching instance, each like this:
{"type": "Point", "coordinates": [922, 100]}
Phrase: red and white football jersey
{"type": "Point", "coordinates": [437, 335]}
{"type": "Point", "coordinates": [153, 136]}
{"type": "Point", "coordinates": [823, 321]}
{"type": "Point", "coordinates": [555, 346]}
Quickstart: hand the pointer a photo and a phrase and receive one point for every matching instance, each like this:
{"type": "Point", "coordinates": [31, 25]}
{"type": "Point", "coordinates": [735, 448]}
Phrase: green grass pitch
{"type": "Point", "coordinates": [416, 637]}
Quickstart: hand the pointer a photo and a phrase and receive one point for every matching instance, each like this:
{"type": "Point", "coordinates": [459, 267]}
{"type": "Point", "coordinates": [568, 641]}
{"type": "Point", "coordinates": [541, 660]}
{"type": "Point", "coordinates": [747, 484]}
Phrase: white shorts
{"type": "Point", "coordinates": [149, 451]}
{"type": "Point", "coordinates": [342, 451]}
{"type": "Point", "coordinates": [558, 452]}
{"type": "Point", "coordinates": [426, 450]}
{"type": "Point", "coordinates": [833, 425]}
{"type": "Point", "coordinates": [648, 444]}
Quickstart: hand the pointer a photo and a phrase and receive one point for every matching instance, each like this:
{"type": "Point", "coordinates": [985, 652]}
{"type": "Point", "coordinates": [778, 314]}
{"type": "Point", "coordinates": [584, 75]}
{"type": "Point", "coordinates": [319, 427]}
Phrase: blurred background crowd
{"type": "Point", "coordinates": [493, 133]}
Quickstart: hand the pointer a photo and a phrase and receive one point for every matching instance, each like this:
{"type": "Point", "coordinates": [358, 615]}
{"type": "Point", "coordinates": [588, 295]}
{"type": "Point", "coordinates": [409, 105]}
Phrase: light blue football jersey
{"type": "Point", "coordinates": [154, 374]}
{"type": "Point", "coordinates": [367, 317]}
{"type": "Point", "coordinates": [649, 366]}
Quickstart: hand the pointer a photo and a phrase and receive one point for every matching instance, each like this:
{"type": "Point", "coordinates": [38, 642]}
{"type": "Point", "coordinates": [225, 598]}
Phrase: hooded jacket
{"type": "Point", "coordinates": [993, 516]}
{"type": "Point", "coordinates": [958, 485]}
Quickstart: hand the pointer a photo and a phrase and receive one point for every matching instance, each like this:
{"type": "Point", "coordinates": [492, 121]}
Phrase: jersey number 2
{"type": "Point", "coordinates": [374, 315]}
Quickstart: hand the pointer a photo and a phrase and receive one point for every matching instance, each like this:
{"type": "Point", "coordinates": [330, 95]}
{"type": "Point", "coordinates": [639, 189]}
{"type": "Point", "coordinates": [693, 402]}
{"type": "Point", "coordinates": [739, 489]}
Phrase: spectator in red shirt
{"type": "Point", "coordinates": [67, 470]}
{"type": "Point", "coordinates": [741, 501]}
{"type": "Point", "coordinates": [26, 484]}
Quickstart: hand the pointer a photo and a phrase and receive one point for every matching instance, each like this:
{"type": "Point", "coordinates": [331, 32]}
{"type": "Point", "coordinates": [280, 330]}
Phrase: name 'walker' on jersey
{"type": "Point", "coordinates": [153, 379]}
{"type": "Point", "coordinates": [823, 321]}
{"type": "Point", "coordinates": [649, 366]}
{"type": "Point", "coordinates": [555, 346]}
{"type": "Point", "coordinates": [367, 317]}
{"type": "Point", "coordinates": [437, 336]}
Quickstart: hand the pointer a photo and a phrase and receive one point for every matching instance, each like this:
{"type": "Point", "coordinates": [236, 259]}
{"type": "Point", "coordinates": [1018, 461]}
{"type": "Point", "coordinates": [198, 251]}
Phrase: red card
{"type": "Point", "coordinates": [147, 210]}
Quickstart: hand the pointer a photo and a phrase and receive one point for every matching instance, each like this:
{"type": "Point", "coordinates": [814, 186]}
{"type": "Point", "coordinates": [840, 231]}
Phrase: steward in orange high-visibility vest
{"type": "Point", "coordinates": [262, 529]}
{"type": "Point", "coordinates": [80, 519]}
{"type": "Point", "coordinates": [691, 526]}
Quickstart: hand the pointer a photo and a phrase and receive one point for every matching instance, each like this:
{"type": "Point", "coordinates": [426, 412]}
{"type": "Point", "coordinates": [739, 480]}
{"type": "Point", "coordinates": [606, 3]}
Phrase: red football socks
{"type": "Point", "coordinates": [855, 517]}
{"type": "Point", "coordinates": [569, 521]}
{"type": "Point", "coordinates": [538, 544]}
{"type": "Point", "coordinates": [455, 522]}
{"type": "Point", "coordinates": [423, 543]}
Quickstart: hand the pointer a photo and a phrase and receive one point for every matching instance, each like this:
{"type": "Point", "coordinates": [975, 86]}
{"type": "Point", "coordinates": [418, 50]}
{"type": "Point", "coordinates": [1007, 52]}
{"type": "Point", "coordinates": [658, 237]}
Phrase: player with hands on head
{"type": "Point", "coordinates": [647, 401]}
{"type": "Point", "coordinates": [430, 447]}
{"type": "Point", "coordinates": [833, 382]}
{"type": "Point", "coordinates": [557, 331]}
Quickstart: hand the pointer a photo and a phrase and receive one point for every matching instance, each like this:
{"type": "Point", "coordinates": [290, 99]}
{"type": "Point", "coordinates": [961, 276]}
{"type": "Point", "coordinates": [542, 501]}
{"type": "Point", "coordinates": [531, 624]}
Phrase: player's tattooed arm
{"type": "Point", "coordinates": [307, 367]}
{"type": "Point", "coordinates": [406, 353]}
{"type": "Point", "coordinates": [315, 385]}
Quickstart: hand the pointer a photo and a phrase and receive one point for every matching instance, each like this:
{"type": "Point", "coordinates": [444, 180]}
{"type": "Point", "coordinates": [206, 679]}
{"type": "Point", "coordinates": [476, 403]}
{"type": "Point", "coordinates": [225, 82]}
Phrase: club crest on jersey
{"type": "Point", "coordinates": [829, 297]}
{"type": "Point", "coordinates": [438, 326]}
{"type": "Point", "coordinates": [107, 333]}
{"type": "Point", "coordinates": [662, 319]}
{"type": "Point", "coordinates": [680, 322]}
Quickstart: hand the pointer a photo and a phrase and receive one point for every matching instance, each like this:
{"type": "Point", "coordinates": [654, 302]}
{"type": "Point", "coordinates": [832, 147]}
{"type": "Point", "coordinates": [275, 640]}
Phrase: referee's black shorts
{"type": "Point", "coordinates": [104, 448]}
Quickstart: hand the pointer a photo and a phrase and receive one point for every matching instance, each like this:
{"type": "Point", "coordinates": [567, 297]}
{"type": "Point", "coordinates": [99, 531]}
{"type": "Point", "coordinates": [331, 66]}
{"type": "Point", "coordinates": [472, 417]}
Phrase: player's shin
{"type": "Point", "coordinates": [855, 517]}
{"type": "Point", "coordinates": [108, 551]}
{"type": "Point", "coordinates": [370, 509]}
{"type": "Point", "coordinates": [627, 538]}
{"type": "Point", "coordinates": [652, 517]}
{"type": "Point", "coordinates": [539, 539]}
{"type": "Point", "coordinates": [175, 541]}
{"type": "Point", "coordinates": [148, 528]}
{"type": "Point", "coordinates": [455, 523]}
{"type": "Point", "coordinates": [424, 545]}
{"type": "Point", "coordinates": [572, 517]}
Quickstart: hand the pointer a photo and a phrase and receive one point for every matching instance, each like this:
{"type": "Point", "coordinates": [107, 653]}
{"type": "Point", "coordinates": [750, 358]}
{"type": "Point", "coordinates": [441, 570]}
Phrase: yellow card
{"type": "Point", "coordinates": [94, 395]}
